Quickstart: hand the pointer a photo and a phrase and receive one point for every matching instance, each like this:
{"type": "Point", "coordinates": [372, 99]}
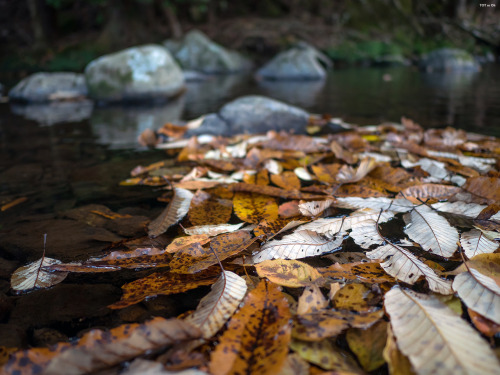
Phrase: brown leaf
{"type": "Point", "coordinates": [206, 210]}
{"type": "Point", "coordinates": [273, 191]}
{"type": "Point", "coordinates": [98, 350]}
{"type": "Point", "coordinates": [485, 187]}
{"type": "Point", "coordinates": [286, 180]}
{"type": "Point", "coordinates": [421, 193]}
{"type": "Point", "coordinates": [366, 272]}
{"type": "Point", "coordinates": [256, 340]}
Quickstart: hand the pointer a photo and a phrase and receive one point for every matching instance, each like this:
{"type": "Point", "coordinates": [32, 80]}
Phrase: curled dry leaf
{"type": "Point", "coordinates": [480, 293]}
{"type": "Point", "coordinates": [315, 208]}
{"type": "Point", "coordinates": [98, 350]}
{"type": "Point", "coordinates": [431, 231]}
{"type": "Point", "coordinates": [173, 213]}
{"type": "Point", "coordinates": [348, 174]}
{"type": "Point", "coordinates": [219, 305]}
{"type": "Point", "coordinates": [474, 242]}
{"type": "Point", "coordinates": [300, 244]}
{"type": "Point", "coordinates": [34, 276]}
{"type": "Point", "coordinates": [421, 322]}
{"type": "Point", "coordinates": [290, 273]}
{"type": "Point", "coordinates": [257, 337]}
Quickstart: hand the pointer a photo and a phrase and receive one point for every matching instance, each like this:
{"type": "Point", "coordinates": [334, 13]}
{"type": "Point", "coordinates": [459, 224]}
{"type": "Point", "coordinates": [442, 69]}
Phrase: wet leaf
{"type": "Point", "coordinates": [300, 244]}
{"type": "Point", "coordinates": [253, 208]}
{"type": "Point", "coordinates": [483, 325]}
{"type": "Point", "coordinates": [290, 273]}
{"type": "Point", "coordinates": [99, 350]}
{"type": "Point", "coordinates": [273, 191]}
{"type": "Point", "coordinates": [173, 213]}
{"type": "Point", "coordinates": [219, 305]}
{"type": "Point", "coordinates": [33, 276]}
{"type": "Point", "coordinates": [257, 337]}
{"type": "Point", "coordinates": [441, 329]}
{"type": "Point", "coordinates": [368, 345]}
{"type": "Point", "coordinates": [162, 283]}
{"type": "Point", "coordinates": [206, 210]}
{"type": "Point", "coordinates": [480, 293]}
{"type": "Point", "coordinates": [181, 242]}
{"type": "Point", "coordinates": [431, 231]}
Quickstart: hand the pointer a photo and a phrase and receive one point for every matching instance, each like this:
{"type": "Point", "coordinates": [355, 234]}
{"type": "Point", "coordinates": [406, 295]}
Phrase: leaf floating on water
{"type": "Point", "coordinates": [219, 305]}
{"type": "Point", "coordinates": [421, 322]}
{"type": "Point", "coordinates": [475, 242]}
{"type": "Point", "coordinates": [431, 231]}
{"type": "Point", "coordinates": [290, 273]}
{"type": "Point", "coordinates": [257, 337]}
{"type": "Point", "coordinates": [480, 293]}
{"type": "Point", "coordinates": [173, 213]}
{"type": "Point", "coordinates": [300, 244]}
{"type": "Point", "coordinates": [34, 276]}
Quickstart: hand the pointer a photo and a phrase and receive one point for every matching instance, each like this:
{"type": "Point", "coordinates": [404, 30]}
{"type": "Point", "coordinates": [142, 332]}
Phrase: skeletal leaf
{"type": "Point", "coordinates": [474, 242]}
{"type": "Point", "coordinates": [431, 231]}
{"type": "Point", "coordinates": [219, 305]}
{"type": "Point", "coordinates": [290, 273]}
{"type": "Point", "coordinates": [173, 213]}
{"type": "Point", "coordinates": [212, 230]}
{"type": "Point", "coordinates": [368, 345]}
{"type": "Point", "coordinates": [33, 276]}
{"type": "Point", "coordinates": [256, 340]}
{"type": "Point", "coordinates": [300, 244]}
{"type": "Point", "coordinates": [377, 204]}
{"type": "Point", "coordinates": [314, 208]}
{"type": "Point", "coordinates": [434, 338]}
{"type": "Point", "coordinates": [98, 350]}
{"type": "Point", "coordinates": [480, 293]}
{"type": "Point", "coordinates": [162, 283]}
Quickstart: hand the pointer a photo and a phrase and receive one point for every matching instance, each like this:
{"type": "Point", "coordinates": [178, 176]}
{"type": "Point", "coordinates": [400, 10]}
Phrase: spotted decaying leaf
{"type": "Point", "coordinates": [173, 213]}
{"type": "Point", "coordinates": [219, 305]}
{"type": "Point", "coordinates": [368, 345]}
{"type": "Point", "coordinates": [207, 210]}
{"type": "Point", "coordinates": [311, 301]}
{"type": "Point", "coordinates": [294, 365]}
{"type": "Point", "coordinates": [326, 355]}
{"type": "Point", "coordinates": [162, 283]}
{"type": "Point", "coordinates": [34, 276]}
{"type": "Point", "coordinates": [253, 208]}
{"type": "Point", "coordinates": [480, 293]}
{"type": "Point", "coordinates": [366, 272]}
{"type": "Point", "coordinates": [181, 242]}
{"type": "Point", "coordinates": [99, 350]}
{"type": "Point", "coordinates": [257, 337]}
{"type": "Point", "coordinates": [353, 297]}
{"type": "Point", "coordinates": [438, 328]}
{"type": "Point", "coordinates": [290, 273]}
{"type": "Point", "coordinates": [300, 244]}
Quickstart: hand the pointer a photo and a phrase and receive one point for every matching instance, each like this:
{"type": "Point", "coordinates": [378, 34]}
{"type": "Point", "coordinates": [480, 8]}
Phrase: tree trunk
{"type": "Point", "coordinates": [173, 22]}
{"type": "Point", "coordinates": [37, 24]}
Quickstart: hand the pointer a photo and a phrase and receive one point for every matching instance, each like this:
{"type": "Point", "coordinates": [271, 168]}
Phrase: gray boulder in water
{"type": "Point", "coordinates": [144, 73]}
{"type": "Point", "coordinates": [253, 114]}
{"type": "Point", "coordinates": [448, 60]}
{"type": "Point", "coordinates": [197, 52]}
{"type": "Point", "coordinates": [44, 87]}
{"type": "Point", "coordinates": [302, 62]}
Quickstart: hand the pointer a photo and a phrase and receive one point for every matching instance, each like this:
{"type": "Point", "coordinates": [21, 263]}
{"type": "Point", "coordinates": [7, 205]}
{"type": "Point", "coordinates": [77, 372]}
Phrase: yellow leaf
{"type": "Point", "coordinates": [290, 273]}
{"type": "Point", "coordinates": [368, 345]}
{"type": "Point", "coordinates": [253, 208]}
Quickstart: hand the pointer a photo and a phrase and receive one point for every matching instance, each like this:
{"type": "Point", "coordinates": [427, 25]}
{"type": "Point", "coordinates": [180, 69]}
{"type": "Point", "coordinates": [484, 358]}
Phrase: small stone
{"type": "Point", "coordinates": [448, 60]}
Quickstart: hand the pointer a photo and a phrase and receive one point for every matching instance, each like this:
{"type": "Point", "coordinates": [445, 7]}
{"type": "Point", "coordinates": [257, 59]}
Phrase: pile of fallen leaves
{"type": "Point", "coordinates": [396, 229]}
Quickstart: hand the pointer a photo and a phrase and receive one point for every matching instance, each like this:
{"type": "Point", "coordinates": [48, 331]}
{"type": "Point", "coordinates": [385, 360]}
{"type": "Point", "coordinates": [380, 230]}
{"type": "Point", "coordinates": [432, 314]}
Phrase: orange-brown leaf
{"type": "Point", "coordinates": [205, 209]}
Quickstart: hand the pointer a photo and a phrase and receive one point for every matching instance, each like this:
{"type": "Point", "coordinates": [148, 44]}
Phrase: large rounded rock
{"type": "Point", "coordinates": [145, 73]}
{"type": "Point", "coordinates": [44, 87]}
{"type": "Point", "coordinates": [448, 60]}
{"type": "Point", "coordinates": [302, 62]}
{"type": "Point", "coordinates": [197, 52]}
{"type": "Point", "coordinates": [253, 114]}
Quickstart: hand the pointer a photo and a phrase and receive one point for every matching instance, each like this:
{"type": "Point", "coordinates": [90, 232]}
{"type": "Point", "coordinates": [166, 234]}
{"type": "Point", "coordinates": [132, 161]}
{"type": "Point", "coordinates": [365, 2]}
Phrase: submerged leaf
{"type": "Point", "coordinates": [421, 322]}
{"type": "Point", "coordinates": [173, 213]}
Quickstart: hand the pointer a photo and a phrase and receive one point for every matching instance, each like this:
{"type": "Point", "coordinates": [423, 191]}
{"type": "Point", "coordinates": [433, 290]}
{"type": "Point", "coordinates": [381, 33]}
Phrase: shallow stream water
{"type": "Point", "coordinates": [63, 157]}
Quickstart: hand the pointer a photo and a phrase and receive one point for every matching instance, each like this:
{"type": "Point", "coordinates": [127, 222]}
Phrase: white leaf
{"type": "Point", "coordinates": [213, 230]}
{"type": "Point", "coordinates": [435, 339]}
{"type": "Point", "coordinates": [480, 293]}
{"type": "Point", "coordinates": [377, 204]}
{"type": "Point", "coordinates": [300, 244]}
{"type": "Point", "coordinates": [314, 208]}
{"type": "Point", "coordinates": [33, 276]}
{"type": "Point", "coordinates": [144, 367]}
{"type": "Point", "coordinates": [303, 174]}
{"type": "Point", "coordinates": [331, 226]}
{"type": "Point", "coordinates": [435, 168]}
{"type": "Point", "coordinates": [476, 242]}
{"type": "Point", "coordinates": [173, 213]}
{"type": "Point", "coordinates": [348, 174]}
{"type": "Point", "coordinates": [219, 305]}
{"type": "Point", "coordinates": [397, 261]}
{"type": "Point", "coordinates": [459, 208]}
{"type": "Point", "coordinates": [431, 231]}
{"type": "Point", "coordinates": [273, 166]}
